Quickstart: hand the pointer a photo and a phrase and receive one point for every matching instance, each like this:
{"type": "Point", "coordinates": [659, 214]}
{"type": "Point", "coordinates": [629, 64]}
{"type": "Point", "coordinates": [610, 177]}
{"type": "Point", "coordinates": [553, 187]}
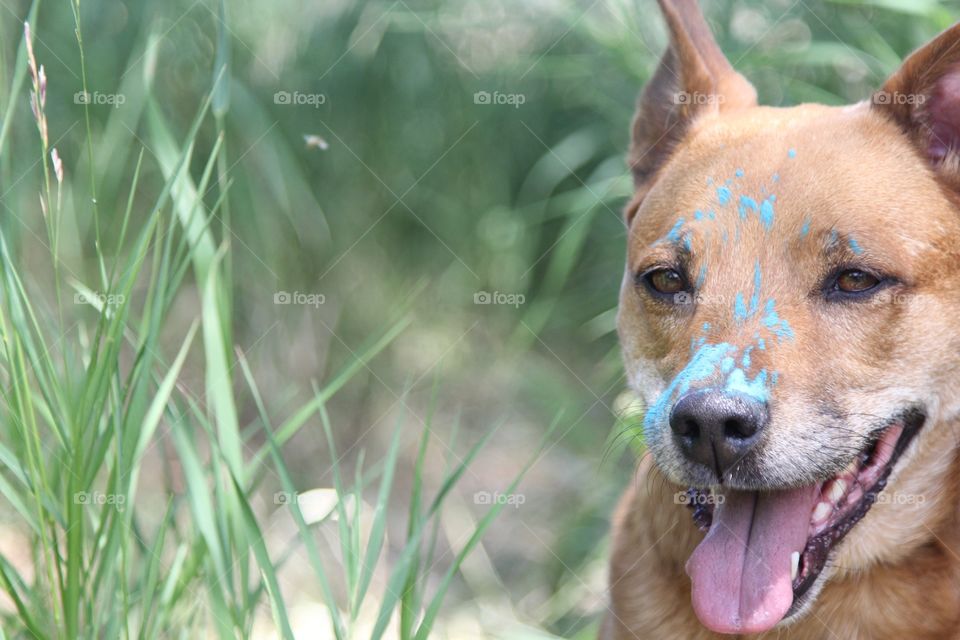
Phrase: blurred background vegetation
{"type": "Point", "coordinates": [454, 165]}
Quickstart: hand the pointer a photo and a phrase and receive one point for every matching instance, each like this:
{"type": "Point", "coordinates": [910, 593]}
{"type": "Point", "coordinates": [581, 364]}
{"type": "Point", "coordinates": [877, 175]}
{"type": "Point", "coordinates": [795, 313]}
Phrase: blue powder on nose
{"type": "Point", "coordinates": [726, 366]}
{"type": "Point", "coordinates": [738, 382]}
{"type": "Point", "coordinates": [702, 366]}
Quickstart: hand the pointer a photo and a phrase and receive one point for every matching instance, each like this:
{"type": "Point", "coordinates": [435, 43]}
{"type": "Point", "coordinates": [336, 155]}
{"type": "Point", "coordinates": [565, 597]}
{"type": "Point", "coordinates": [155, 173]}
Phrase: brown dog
{"type": "Point", "coordinates": [790, 313]}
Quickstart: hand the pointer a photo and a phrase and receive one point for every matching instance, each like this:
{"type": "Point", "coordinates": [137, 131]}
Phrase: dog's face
{"type": "Point", "coordinates": [789, 312]}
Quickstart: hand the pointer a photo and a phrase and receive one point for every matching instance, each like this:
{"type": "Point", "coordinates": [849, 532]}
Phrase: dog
{"type": "Point", "coordinates": [790, 316]}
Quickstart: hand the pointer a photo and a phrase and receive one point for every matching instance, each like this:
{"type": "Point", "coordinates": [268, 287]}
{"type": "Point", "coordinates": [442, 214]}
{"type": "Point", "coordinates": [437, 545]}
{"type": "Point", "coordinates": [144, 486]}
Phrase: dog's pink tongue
{"type": "Point", "coordinates": [741, 570]}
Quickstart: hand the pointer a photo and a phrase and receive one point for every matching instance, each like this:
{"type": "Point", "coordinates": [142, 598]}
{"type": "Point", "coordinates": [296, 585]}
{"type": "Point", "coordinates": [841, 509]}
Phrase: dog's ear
{"type": "Point", "coordinates": [694, 77]}
{"type": "Point", "coordinates": [923, 97]}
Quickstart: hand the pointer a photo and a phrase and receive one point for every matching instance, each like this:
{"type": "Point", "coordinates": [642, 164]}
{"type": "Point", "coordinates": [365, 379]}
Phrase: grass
{"type": "Point", "coordinates": [181, 455]}
{"type": "Point", "coordinates": [88, 395]}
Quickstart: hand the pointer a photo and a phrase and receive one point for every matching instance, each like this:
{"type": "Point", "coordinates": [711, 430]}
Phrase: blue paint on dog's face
{"type": "Point", "coordinates": [855, 247]}
{"type": "Point", "coordinates": [777, 325]}
{"type": "Point", "coordinates": [792, 153]}
{"type": "Point", "coordinates": [739, 383]}
{"type": "Point", "coordinates": [766, 212]}
{"type": "Point", "coordinates": [725, 362]}
{"type": "Point", "coordinates": [723, 195]}
{"type": "Point", "coordinates": [702, 366]}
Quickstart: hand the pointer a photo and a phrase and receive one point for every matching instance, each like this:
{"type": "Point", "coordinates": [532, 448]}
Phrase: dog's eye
{"type": "Point", "coordinates": [856, 281]}
{"type": "Point", "coordinates": [665, 281]}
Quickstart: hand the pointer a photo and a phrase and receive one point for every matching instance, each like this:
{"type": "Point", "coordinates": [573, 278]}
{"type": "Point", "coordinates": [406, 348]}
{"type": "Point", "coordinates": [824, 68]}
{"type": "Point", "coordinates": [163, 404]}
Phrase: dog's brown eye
{"type": "Point", "coordinates": [856, 281]}
{"type": "Point", "coordinates": [665, 281]}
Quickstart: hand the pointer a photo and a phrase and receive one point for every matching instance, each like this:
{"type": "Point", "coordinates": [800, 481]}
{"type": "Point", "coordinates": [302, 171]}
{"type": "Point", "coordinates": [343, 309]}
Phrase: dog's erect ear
{"type": "Point", "coordinates": [923, 97]}
{"type": "Point", "coordinates": [694, 77]}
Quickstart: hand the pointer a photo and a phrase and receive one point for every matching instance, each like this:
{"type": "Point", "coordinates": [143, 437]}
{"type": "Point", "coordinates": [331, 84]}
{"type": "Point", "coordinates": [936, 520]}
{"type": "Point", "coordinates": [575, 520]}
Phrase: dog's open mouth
{"type": "Point", "coordinates": [764, 551]}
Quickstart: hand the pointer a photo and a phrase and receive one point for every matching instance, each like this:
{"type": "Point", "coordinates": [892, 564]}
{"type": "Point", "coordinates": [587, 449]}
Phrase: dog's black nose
{"type": "Point", "coordinates": [717, 429]}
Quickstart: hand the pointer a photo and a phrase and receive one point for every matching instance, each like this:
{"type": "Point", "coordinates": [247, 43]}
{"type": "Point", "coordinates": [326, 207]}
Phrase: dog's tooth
{"type": "Point", "coordinates": [837, 489]}
{"type": "Point", "coordinates": [852, 468]}
{"type": "Point", "coordinates": [794, 564]}
{"type": "Point", "coordinates": [822, 512]}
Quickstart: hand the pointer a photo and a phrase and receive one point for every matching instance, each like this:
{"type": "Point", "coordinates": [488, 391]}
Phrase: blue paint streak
{"type": "Point", "coordinates": [674, 234]}
{"type": "Point", "coordinates": [698, 214]}
{"type": "Point", "coordinates": [701, 277]}
{"type": "Point", "coordinates": [739, 308]}
{"type": "Point", "coordinates": [792, 153]}
{"type": "Point", "coordinates": [726, 365]}
{"type": "Point", "coordinates": [747, 201]}
{"type": "Point", "coordinates": [755, 299]}
{"type": "Point", "coordinates": [745, 361]}
{"type": "Point", "coordinates": [739, 173]}
{"type": "Point", "coordinates": [762, 344]}
{"type": "Point", "coordinates": [723, 196]}
{"type": "Point", "coordinates": [738, 382]}
{"type": "Point", "coordinates": [706, 327]}
{"type": "Point", "coordinates": [856, 248]}
{"type": "Point", "coordinates": [777, 325]}
{"type": "Point", "coordinates": [687, 243]}
{"type": "Point", "coordinates": [805, 229]}
{"type": "Point", "coordinates": [766, 212]}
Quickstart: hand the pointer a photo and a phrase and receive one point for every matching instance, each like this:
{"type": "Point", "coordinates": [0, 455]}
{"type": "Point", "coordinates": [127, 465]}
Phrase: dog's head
{"type": "Point", "coordinates": [789, 312]}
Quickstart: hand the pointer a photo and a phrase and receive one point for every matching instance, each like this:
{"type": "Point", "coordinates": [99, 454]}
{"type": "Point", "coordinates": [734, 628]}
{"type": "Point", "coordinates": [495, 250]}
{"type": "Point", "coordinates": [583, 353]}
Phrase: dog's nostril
{"type": "Point", "coordinates": [689, 429]}
{"type": "Point", "coordinates": [737, 429]}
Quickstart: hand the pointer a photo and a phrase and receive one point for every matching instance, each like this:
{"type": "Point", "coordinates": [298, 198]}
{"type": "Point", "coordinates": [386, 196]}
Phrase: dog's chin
{"type": "Point", "coordinates": [768, 527]}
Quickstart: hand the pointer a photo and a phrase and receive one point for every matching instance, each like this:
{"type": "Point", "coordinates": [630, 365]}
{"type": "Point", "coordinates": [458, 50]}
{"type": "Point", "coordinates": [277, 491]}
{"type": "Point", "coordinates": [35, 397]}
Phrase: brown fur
{"type": "Point", "coordinates": [863, 170]}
